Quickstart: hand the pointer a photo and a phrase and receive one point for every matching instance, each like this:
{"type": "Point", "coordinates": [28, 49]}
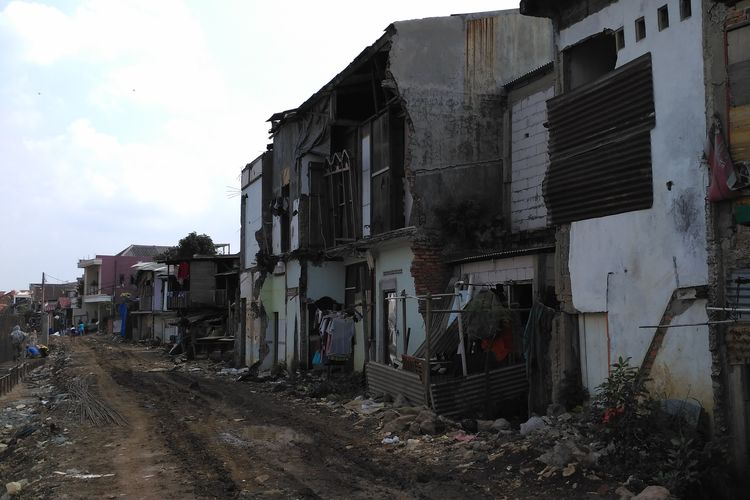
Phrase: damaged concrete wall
{"type": "Point", "coordinates": [529, 160]}
{"type": "Point", "coordinates": [729, 247]}
{"type": "Point", "coordinates": [449, 73]}
{"type": "Point", "coordinates": [253, 217]}
{"type": "Point", "coordinates": [628, 265]}
{"type": "Point", "coordinates": [392, 272]}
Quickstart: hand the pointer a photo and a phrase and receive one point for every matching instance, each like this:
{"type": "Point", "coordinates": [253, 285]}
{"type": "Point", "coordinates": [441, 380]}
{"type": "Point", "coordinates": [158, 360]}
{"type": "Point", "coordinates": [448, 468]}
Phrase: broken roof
{"type": "Point", "coordinates": [143, 251]}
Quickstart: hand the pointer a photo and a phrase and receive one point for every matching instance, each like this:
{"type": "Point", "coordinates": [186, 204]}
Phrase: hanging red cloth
{"type": "Point", "coordinates": [501, 346]}
{"type": "Point", "coordinates": [720, 165]}
{"type": "Point", "coordinates": [183, 270]}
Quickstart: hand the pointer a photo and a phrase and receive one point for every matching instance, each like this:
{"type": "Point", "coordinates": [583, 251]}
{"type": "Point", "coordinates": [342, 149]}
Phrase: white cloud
{"type": "Point", "coordinates": [128, 118]}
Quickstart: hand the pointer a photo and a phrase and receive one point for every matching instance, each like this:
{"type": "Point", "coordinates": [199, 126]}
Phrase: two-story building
{"type": "Point", "coordinates": [406, 141]}
{"type": "Point", "coordinates": [108, 280]}
{"type": "Point", "coordinates": [647, 186]}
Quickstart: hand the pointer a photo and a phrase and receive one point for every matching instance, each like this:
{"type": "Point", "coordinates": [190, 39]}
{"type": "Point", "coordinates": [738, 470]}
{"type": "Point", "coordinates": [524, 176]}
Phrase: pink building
{"type": "Point", "coordinates": [108, 280]}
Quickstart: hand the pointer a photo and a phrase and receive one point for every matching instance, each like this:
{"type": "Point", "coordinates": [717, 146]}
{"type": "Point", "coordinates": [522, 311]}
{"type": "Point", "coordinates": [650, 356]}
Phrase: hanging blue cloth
{"type": "Point", "coordinates": [123, 310]}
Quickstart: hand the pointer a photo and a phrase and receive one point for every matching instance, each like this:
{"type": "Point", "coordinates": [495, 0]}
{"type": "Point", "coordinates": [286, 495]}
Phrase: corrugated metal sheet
{"type": "Point", "coordinates": [738, 345]}
{"type": "Point", "coordinates": [737, 292]}
{"type": "Point", "coordinates": [384, 379]}
{"type": "Point", "coordinates": [463, 395]}
{"type": "Point", "coordinates": [600, 146]}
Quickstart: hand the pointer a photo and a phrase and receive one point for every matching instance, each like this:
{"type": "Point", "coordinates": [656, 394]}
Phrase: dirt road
{"type": "Point", "coordinates": [189, 434]}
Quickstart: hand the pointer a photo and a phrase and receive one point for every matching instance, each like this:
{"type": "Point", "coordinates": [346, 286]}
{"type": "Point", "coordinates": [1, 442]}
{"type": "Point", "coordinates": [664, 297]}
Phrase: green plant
{"type": "Point", "coordinates": [681, 469]}
{"type": "Point", "coordinates": [623, 404]}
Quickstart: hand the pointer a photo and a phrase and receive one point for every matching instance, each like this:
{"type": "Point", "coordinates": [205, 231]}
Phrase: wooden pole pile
{"type": "Point", "coordinates": [92, 408]}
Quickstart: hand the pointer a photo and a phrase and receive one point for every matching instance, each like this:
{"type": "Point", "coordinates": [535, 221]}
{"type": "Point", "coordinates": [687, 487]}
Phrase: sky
{"type": "Point", "coordinates": [129, 122]}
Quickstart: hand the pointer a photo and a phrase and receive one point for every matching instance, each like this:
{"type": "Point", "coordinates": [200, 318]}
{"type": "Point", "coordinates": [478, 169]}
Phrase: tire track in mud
{"type": "Point", "coordinates": [223, 435]}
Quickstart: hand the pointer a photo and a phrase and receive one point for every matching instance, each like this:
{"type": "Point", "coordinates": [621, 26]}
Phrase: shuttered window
{"type": "Point", "coordinates": [600, 146]}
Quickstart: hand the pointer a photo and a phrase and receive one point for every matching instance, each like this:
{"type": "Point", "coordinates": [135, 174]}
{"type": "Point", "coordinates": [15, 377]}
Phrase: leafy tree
{"type": "Point", "coordinates": [190, 245]}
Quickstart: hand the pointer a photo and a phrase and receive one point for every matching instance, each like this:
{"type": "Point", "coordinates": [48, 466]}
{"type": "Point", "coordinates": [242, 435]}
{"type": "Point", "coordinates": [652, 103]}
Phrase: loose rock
{"type": "Point", "coordinates": [625, 494]}
{"type": "Point", "coordinates": [431, 427]}
{"type": "Point", "coordinates": [13, 488]}
{"type": "Point", "coordinates": [533, 424]}
{"type": "Point", "coordinates": [399, 424]}
{"type": "Point", "coordinates": [501, 425]}
{"type": "Point", "coordinates": [653, 493]}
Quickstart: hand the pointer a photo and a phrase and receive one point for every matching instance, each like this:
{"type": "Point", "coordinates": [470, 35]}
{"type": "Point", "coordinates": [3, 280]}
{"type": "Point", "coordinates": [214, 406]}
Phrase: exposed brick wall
{"type": "Point", "coordinates": [431, 274]}
{"type": "Point", "coordinates": [738, 14]}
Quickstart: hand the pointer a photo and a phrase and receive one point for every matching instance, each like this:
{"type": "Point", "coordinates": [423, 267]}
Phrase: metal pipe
{"type": "Point", "coordinates": [728, 309]}
{"type": "Point", "coordinates": [691, 324]}
{"type": "Point", "coordinates": [403, 314]}
{"type": "Point", "coordinates": [459, 318]}
{"type": "Point", "coordinates": [428, 322]}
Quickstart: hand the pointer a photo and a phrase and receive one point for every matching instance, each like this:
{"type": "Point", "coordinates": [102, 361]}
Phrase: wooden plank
{"type": "Point", "coordinates": [739, 132]}
{"type": "Point", "coordinates": [739, 83]}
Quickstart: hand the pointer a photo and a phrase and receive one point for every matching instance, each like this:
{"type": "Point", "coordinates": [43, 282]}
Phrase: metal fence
{"type": "Point", "coordinates": [9, 380]}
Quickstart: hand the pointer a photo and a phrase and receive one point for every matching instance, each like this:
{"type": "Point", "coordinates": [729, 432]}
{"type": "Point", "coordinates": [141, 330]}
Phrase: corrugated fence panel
{"type": "Point", "coordinates": [384, 379]}
{"type": "Point", "coordinates": [600, 146]}
{"type": "Point", "coordinates": [738, 291]}
{"type": "Point", "coordinates": [17, 373]}
{"type": "Point", "coordinates": [461, 395]}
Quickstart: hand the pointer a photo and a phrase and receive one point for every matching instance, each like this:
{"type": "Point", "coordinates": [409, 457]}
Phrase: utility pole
{"type": "Point", "coordinates": [45, 318]}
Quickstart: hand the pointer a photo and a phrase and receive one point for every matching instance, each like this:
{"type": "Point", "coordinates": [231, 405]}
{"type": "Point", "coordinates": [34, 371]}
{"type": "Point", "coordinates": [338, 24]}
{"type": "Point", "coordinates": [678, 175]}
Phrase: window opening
{"type": "Point", "coordinates": [356, 284]}
{"type": "Point", "coordinates": [386, 179]}
{"type": "Point", "coordinates": [390, 327]}
{"type": "Point", "coordinates": [640, 29]}
{"type": "Point", "coordinates": [663, 17]}
{"type": "Point", "coordinates": [620, 38]}
{"type": "Point", "coordinates": [590, 60]}
{"type": "Point", "coordinates": [285, 223]}
{"type": "Point", "coordinates": [685, 9]}
{"type": "Point", "coordinates": [343, 197]}
{"type": "Point", "coordinates": [738, 70]}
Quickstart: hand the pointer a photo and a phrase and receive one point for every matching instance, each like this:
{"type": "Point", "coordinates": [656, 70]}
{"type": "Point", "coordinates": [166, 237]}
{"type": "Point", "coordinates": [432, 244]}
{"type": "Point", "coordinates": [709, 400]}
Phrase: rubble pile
{"type": "Point", "coordinates": [549, 448]}
{"type": "Point", "coordinates": [29, 427]}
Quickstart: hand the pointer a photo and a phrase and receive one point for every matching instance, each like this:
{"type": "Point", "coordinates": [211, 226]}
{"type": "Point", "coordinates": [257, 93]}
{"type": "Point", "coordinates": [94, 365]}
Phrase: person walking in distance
{"type": "Point", "coordinates": [17, 338]}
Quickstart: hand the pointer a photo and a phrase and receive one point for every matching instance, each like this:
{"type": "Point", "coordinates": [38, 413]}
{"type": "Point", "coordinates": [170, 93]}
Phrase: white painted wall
{"type": "Point", "coordinates": [366, 181]}
{"type": "Point", "coordinates": [390, 258]}
{"type": "Point", "coordinates": [294, 225]}
{"type": "Point", "coordinates": [253, 220]}
{"type": "Point", "coordinates": [500, 270]}
{"type": "Point", "coordinates": [292, 304]}
{"type": "Point", "coordinates": [594, 340]}
{"type": "Point", "coordinates": [326, 280]}
{"type": "Point", "coordinates": [629, 264]}
{"type": "Point", "coordinates": [682, 368]}
{"type": "Point", "coordinates": [529, 160]}
{"type": "Point", "coordinates": [276, 235]}
{"type": "Point", "coordinates": [273, 298]}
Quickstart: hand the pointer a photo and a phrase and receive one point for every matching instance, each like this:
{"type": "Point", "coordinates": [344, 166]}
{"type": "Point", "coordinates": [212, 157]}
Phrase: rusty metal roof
{"type": "Point", "coordinates": [600, 146]}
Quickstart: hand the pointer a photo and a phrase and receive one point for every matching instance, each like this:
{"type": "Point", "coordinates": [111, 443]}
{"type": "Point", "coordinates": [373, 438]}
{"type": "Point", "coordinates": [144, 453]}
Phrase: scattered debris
{"type": "Point", "coordinates": [532, 425]}
{"type": "Point", "coordinates": [391, 440]}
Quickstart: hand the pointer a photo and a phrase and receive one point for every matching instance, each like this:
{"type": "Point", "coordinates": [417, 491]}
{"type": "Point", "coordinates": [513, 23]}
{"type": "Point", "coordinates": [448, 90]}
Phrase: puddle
{"type": "Point", "coordinates": [271, 436]}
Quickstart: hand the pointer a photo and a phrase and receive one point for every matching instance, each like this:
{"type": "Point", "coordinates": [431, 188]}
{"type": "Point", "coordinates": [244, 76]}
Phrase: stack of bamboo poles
{"type": "Point", "coordinates": [91, 407]}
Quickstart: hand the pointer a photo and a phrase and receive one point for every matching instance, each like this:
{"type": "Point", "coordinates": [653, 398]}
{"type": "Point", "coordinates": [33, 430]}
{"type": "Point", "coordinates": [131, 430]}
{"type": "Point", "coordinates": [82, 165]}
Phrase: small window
{"type": "Point", "coordinates": [663, 17]}
{"type": "Point", "coordinates": [640, 29]}
{"type": "Point", "coordinates": [685, 9]}
{"type": "Point", "coordinates": [620, 38]}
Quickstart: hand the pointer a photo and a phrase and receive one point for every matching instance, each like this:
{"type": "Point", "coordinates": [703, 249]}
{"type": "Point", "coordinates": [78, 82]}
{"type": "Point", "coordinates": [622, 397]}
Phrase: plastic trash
{"type": "Point", "coordinates": [391, 440]}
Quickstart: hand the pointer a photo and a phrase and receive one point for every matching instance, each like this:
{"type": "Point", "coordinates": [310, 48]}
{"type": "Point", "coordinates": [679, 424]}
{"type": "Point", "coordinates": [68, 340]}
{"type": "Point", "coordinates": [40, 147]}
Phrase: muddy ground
{"type": "Point", "coordinates": [189, 433]}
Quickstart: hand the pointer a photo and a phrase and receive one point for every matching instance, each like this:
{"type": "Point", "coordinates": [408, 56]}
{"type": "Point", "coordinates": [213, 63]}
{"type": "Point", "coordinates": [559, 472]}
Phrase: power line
{"type": "Point", "coordinates": [58, 279]}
